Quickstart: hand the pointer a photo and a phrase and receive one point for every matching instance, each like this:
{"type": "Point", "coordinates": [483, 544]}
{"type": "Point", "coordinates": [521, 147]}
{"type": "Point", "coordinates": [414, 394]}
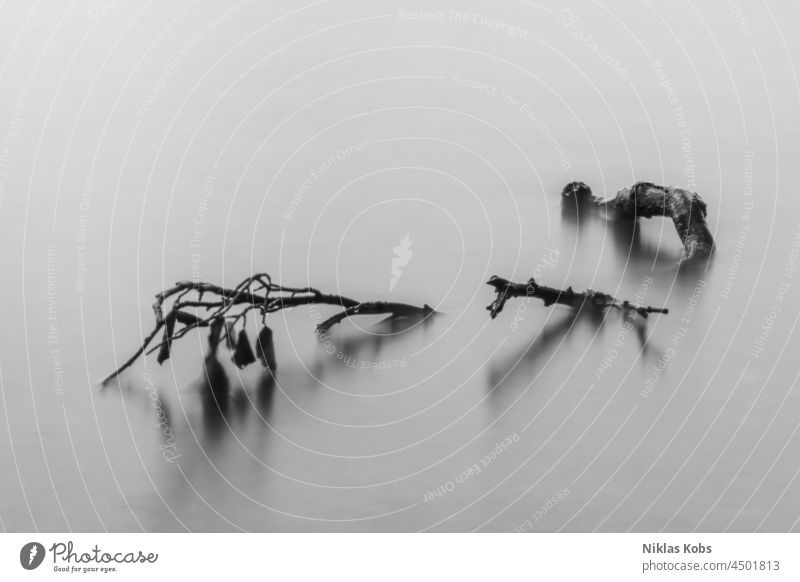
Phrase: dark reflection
{"type": "Point", "coordinates": [404, 323]}
{"type": "Point", "coordinates": [627, 239]}
{"type": "Point", "coordinates": [363, 344]}
{"type": "Point", "coordinates": [224, 409]}
{"type": "Point", "coordinates": [368, 343]}
{"type": "Point", "coordinates": [640, 329]}
{"type": "Point", "coordinates": [574, 209]}
{"type": "Point", "coordinates": [265, 395]}
{"type": "Point", "coordinates": [553, 334]}
{"type": "Point", "coordinates": [239, 405]}
{"type": "Point", "coordinates": [215, 383]}
{"type": "Point", "coordinates": [638, 325]}
{"type": "Point", "coordinates": [215, 396]}
{"type": "Point", "coordinates": [579, 205]}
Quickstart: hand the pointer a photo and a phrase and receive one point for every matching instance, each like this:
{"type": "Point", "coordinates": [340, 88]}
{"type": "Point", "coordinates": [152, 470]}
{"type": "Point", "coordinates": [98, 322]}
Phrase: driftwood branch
{"type": "Point", "coordinates": [136, 354]}
{"type": "Point", "coordinates": [194, 305]}
{"type": "Point", "coordinates": [644, 200]}
{"type": "Point", "coordinates": [375, 308]}
{"type": "Point", "coordinates": [595, 300]}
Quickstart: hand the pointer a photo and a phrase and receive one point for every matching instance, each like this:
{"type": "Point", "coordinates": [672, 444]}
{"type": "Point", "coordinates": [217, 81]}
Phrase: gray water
{"type": "Point", "coordinates": [146, 144]}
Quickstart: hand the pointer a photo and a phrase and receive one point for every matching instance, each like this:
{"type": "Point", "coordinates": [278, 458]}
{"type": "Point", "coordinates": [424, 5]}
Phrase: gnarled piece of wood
{"type": "Point", "coordinates": [644, 200]}
{"type": "Point", "coordinates": [595, 300]}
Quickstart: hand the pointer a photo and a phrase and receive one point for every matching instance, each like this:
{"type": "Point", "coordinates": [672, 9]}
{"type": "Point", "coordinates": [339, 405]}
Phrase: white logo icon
{"type": "Point", "coordinates": [402, 255]}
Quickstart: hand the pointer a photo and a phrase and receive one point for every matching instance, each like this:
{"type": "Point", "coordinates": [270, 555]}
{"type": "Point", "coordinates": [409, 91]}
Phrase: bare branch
{"type": "Point", "coordinates": [596, 300]}
{"type": "Point", "coordinates": [228, 306]}
{"type": "Point", "coordinates": [375, 308]}
{"type": "Point", "coordinates": [132, 359]}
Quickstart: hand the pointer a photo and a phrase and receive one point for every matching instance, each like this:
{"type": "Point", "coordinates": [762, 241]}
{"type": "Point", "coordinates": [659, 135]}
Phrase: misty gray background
{"type": "Point", "coordinates": [131, 131]}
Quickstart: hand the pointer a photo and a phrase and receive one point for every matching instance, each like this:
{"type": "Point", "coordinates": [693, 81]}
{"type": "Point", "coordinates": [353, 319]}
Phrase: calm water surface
{"type": "Point", "coordinates": [148, 145]}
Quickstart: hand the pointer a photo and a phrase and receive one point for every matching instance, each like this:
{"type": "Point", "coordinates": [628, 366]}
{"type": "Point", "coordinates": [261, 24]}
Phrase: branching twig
{"type": "Point", "coordinates": [596, 300]}
{"type": "Point", "coordinates": [132, 359]}
{"type": "Point", "coordinates": [228, 306]}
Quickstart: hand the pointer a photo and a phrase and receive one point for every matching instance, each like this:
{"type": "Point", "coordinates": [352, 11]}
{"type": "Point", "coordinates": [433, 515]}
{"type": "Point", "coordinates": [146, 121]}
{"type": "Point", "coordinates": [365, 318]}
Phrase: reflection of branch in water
{"type": "Point", "coordinates": [578, 206]}
{"type": "Point", "coordinates": [574, 213]}
{"type": "Point", "coordinates": [628, 240]}
{"type": "Point", "coordinates": [265, 396]}
{"type": "Point", "coordinates": [215, 393]}
{"type": "Point", "coordinates": [636, 327]}
{"type": "Point", "coordinates": [590, 306]}
{"type": "Point", "coordinates": [640, 329]}
{"type": "Point", "coordinates": [384, 332]}
{"type": "Point", "coordinates": [223, 408]}
{"type": "Point", "coordinates": [214, 422]}
{"type": "Point", "coordinates": [215, 384]}
{"type": "Point", "coordinates": [240, 404]}
{"type": "Point", "coordinates": [402, 323]}
{"type": "Point", "coordinates": [551, 336]}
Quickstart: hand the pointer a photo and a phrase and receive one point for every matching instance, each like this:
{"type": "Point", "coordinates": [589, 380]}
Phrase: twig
{"type": "Point", "coordinates": [596, 300]}
{"type": "Point", "coordinates": [375, 308]}
{"type": "Point", "coordinates": [132, 359]}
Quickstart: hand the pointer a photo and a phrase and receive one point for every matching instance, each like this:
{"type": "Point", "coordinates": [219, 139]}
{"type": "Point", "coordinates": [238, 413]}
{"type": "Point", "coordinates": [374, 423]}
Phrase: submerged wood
{"type": "Point", "coordinates": [644, 200]}
{"type": "Point", "coordinates": [221, 308]}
